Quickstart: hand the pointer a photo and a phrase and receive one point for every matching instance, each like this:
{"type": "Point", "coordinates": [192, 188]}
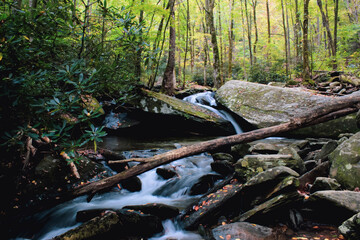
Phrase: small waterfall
{"type": "Point", "coordinates": [207, 100]}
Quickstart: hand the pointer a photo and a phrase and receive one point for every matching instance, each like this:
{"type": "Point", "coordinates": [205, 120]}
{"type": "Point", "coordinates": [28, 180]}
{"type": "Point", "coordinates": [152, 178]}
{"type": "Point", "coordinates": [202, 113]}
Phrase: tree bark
{"type": "Point", "coordinates": [186, 41]}
{"type": "Point", "coordinates": [248, 24]}
{"type": "Point", "coordinates": [268, 28]}
{"type": "Point", "coordinates": [210, 22]}
{"type": "Point", "coordinates": [306, 63]}
{"type": "Point", "coordinates": [337, 108]}
{"type": "Point", "coordinates": [231, 37]}
{"type": "Point", "coordinates": [285, 38]}
{"type": "Point", "coordinates": [168, 80]}
{"type": "Point", "coordinates": [254, 5]}
{"type": "Point", "coordinates": [327, 27]}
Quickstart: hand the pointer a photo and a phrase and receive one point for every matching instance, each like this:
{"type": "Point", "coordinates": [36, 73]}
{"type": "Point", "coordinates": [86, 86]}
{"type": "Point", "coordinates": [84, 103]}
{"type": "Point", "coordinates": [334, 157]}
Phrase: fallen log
{"type": "Point", "coordinates": [338, 108]}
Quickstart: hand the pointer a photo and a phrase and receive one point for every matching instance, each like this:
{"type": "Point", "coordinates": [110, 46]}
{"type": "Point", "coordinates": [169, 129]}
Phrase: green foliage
{"type": "Point", "coordinates": [265, 73]}
{"type": "Point", "coordinates": [53, 62]}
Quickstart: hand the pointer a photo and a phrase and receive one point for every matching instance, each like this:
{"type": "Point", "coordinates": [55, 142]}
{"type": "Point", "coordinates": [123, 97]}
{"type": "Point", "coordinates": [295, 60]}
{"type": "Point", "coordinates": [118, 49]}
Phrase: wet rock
{"type": "Point", "coordinates": [310, 164]}
{"type": "Point", "coordinates": [242, 230]}
{"type": "Point", "coordinates": [119, 224]}
{"type": "Point", "coordinates": [273, 211]}
{"type": "Point", "coordinates": [86, 215]}
{"type": "Point", "coordinates": [165, 173]}
{"type": "Point", "coordinates": [358, 119]}
{"type": "Point", "coordinates": [350, 228]}
{"type": "Point", "coordinates": [222, 156]}
{"type": "Point", "coordinates": [160, 210]}
{"type": "Point", "coordinates": [168, 188]}
{"type": "Point", "coordinates": [132, 184]}
{"type": "Point", "coordinates": [159, 109]}
{"type": "Point", "coordinates": [324, 183]}
{"type": "Point", "coordinates": [224, 168]}
{"type": "Point", "coordinates": [328, 148]}
{"type": "Point", "coordinates": [232, 198]}
{"type": "Point", "coordinates": [345, 163]}
{"type": "Point", "coordinates": [343, 205]}
{"type": "Point", "coordinates": [240, 150]}
{"type": "Point", "coordinates": [309, 177]}
{"type": "Point", "coordinates": [265, 148]}
{"type": "Point", "coordinates": [204, 184]}
{"type": "Point", "coordinates": [265, 106]}
{"type": "Point", "coordinates": [250, 165]}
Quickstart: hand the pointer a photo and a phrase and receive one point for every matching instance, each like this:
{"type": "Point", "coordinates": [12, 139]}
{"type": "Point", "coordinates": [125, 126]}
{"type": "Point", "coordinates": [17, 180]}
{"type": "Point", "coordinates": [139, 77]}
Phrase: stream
{"type": "Point", "coordinates": [62, 218]}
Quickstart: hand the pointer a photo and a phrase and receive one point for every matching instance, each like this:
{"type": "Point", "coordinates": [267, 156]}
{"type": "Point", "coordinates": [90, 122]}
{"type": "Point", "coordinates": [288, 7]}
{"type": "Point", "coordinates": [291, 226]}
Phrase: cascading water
{"type": "Point", "coordinates": [63, 217]}
{"type": "Point", "coordinates": [207, 100]}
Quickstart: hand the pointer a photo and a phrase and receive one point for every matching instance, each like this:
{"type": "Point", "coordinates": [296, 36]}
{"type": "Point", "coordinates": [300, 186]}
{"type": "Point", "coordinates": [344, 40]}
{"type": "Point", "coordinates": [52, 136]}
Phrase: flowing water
{"type": "Point", "coordinates": [207, 100]}
{"type": "Point", "coordinates": [154, 189]}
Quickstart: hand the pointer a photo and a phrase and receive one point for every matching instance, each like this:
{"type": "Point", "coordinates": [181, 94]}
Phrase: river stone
{"type": "Point", "coordinates": [222, 156]}
{"type": "Point", "coordinates": [165, 173]}
{"type": "Point", "coordinates": [240, 150]}
{"type": "Point", "coordinates": [265, 106]}
{"type": "Point", "coordinates": [358, 119]}
{"type": "Point", "coordinates": [132, 184]}
{"type": "Point", "coordinates": [160, 210]}
{"type": "Point", "coordinates": [350, 229]}
{"type": "Point", "coordinates": [345, 163]}
{"type": "Point", "coordinates": [328, 148]}
{"type": "Point", "coordinates": [324, 183]}
{"type": "Point", "coordinates": [223, 167]}
{"type": "Point", "coordinates": [265, 148]}
{"type": "Point", "coordinates": [161, 109]}
{"type": "Point", "coordinates": [250, 165]}
{"type": "Point", "coordinates": [117, 224]}
{"type": "Point", "coordinates": [242, 230]}
{"type": "Point", "coordinates": [204, 184]}
{"type": "Point", "coordinates": [343, 205]}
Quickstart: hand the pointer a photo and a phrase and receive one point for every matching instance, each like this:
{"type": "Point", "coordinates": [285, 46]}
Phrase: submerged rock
{"type": "Point", "coordinates": [160, 210]}
{"type": "Point", "coordinates": [119, 224]}
{"type": "Point", "coordinates": [345, 163]}
{"type": "Point", "coordinates": [265, 106]}
{"type": "Point", "coordinates": [242, 230]}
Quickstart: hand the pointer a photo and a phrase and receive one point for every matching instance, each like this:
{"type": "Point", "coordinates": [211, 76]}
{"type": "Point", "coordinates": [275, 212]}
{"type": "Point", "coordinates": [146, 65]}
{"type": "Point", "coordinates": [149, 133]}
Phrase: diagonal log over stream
{"type": "Point", "coordinates": [337, 108]}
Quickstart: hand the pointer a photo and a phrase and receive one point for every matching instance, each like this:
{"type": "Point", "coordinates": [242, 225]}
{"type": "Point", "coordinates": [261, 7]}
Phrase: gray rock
{"type": "Point", "coordinates": [265, 106]}
{"type": "Point", "coordinates": [222, 156]}
{"type": "Point", "coordinates": [242, 230]}
{"type": "Point", "coordinates": [162, 211]}
{"type": "Point", "coordinates": [324, 183]}
{"type": "Point", "coordinates": [223, 167]}
{"type": "Point", "coordinates": [251, 165]}
{"type": "Point", "coordinates": [326, 150]}
{"type": "Point", "coordinates": [345, 163]}
{"type": "Point", "coordinates": [350, 228]}
{"type": "Point", "coordinates": [343, 205]}
{"type": "Point", "coordinates": [124, 223]}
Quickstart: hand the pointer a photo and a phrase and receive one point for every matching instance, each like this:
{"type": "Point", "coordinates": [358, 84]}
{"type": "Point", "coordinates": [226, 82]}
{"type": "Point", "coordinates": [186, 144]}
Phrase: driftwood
{"type": "Point", "coordinates": [337, 108]}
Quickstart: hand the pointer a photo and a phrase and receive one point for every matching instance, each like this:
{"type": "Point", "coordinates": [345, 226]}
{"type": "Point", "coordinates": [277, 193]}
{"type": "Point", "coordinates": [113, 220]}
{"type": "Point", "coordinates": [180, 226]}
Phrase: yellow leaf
{"type": "Point", "coordinates": [1, 56]}
{"type": "Point", "coordinates": [27, 38]}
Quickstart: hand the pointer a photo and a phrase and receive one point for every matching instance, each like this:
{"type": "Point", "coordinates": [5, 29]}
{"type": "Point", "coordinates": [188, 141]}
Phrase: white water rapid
{"type": "Point", "coordinates": [207, 100]}
{"type": "Point", "coordinates": [171, 192]}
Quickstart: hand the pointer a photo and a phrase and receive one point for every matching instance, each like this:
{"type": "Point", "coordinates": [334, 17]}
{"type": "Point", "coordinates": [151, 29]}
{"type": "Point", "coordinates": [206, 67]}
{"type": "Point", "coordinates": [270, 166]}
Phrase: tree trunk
{"type": "Point", "coordinates": [187, 39]}
{"type": "Point", "coordinates": [243, 40]}
{"type": "Point", "coordinates": [268, 27]}
{"type": "Point", "coordinates": [138, 68]}
{"type": "Point", "coordinates": [306, 64]}
{"type": "Point", "coordinates": [168, 84]}
{"type": "Point", "coordinates": [254, 5]}
{"type": "Point", "coordinates": [336, 20]}
{"type": "Point", "coordinates": [337, 108]}
{"type": "Point", "coordinates": [327, 27]}
{"type": "Point", "coordinates": [248, 24]}
{"type": "Point", "coordinates": [222, 54]}
{"type": "Point", "coordinates": [285, 38]}
{"type": "Point", "coordinates": [297, 30]}
{"type": "Point", "coordinates": [210, 22]}
{"type": "Point", "coordinates": [231, 37]}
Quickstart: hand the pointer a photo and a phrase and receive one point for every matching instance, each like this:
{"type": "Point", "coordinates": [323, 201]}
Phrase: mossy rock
{"type": "Point", "coordinates": [265, 106]}
{"type": "Point", "coordinates": [345, 163]}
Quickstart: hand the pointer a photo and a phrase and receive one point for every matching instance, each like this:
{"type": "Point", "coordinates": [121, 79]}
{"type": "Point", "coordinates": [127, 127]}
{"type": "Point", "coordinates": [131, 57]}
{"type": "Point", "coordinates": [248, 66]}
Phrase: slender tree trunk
{"type": "Point", "coordinates": [187, 40]}
{"type": "Point", "coordinates": [306, 64]}
{"type": "Point", "coordinates": [254, 5]}
{"type": "Point", "coordinates": [248, 24]}
{"type": "Point", "coordinates": [297, 30]}
{"type": "Point", "coordinates": [210, 20]}
{"type": "Point", "coordinates": [336, 20]}
{"type": "Point", "coordinates": [285, 38]}
{"type": "Point", "coordinates": [33, 3]}
{"type": "Point", "coordinates": [231, 37]}
{"type": "Point", "coordinates": [327, 27]}
{"type": "Point", "coordinates": [138, 69]}
{"type": "Point", "coordinates": [168, 80]}
{"type": "Point", "coordinates": [268, 28]}
{"type": "Point", "coordinates": [221, 48]}
{"type": "Point", "coordinates": [243, 40]}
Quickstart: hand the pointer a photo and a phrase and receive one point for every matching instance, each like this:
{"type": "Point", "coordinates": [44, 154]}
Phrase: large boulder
{"type": "Point", "coordinates": [343, 205]}
{"type": "Point", "coordinates": [351, 227]}
{"type": "Point", "coordinates": [242, 230]}
{"type": "Point", "coordinates": [160, 109]}
{"type": "Point", "coordinates": [345, 163]}
{"type": "Point", "coordinates": [265, 106]}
